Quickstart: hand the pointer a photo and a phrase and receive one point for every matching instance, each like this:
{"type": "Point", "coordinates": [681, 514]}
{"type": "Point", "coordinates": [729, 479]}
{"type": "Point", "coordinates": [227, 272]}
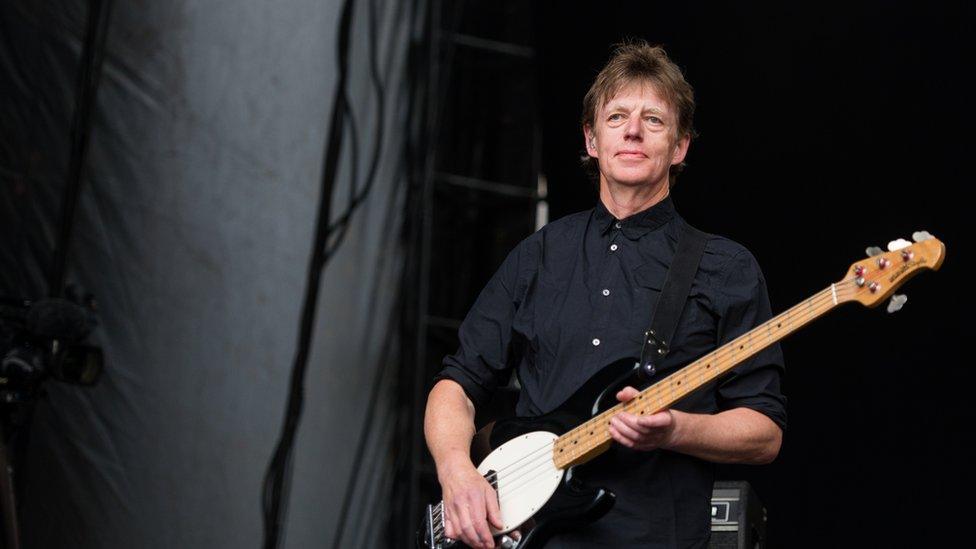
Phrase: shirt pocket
{"type": "Point", "coordinates": [647, 280]}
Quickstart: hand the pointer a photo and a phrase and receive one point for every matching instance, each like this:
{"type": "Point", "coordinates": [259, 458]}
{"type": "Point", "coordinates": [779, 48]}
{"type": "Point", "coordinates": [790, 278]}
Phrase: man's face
{"type": "Point", "coordinates": [634, 137]}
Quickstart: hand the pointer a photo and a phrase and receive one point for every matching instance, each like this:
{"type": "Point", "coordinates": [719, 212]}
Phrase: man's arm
{"type": "Point", "coordinates": [469, 501]}
{"type": "Point", "coordinates": [739, 435]}
{"type": "Point", "coordinates": [484, 359]}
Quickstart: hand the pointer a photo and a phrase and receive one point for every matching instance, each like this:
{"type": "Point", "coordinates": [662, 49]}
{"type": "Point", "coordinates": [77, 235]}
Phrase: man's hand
{"type": "Point", "coordinates": [469, 504]}
{"type": "Point", "coordinates": [641, 432]}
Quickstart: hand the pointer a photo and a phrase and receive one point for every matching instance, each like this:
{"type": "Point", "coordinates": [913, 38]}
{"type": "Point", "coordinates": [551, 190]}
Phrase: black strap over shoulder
{"type": "Point", "coordinates": [674, 295]}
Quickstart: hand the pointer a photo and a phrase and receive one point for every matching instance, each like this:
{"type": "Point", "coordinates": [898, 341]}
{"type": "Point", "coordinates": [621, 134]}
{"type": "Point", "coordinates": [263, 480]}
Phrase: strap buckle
{"type": "Point", "coordinates": [652, 350]}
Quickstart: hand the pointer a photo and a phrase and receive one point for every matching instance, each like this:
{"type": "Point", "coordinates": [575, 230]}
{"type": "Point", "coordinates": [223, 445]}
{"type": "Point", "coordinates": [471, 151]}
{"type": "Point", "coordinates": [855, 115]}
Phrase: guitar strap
{"type": "Point", "coordinates": [674, 295]}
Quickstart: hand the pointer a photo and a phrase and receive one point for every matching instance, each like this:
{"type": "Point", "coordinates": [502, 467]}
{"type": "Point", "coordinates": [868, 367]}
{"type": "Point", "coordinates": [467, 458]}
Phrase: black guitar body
{"type": "Point", "coordinates": [574, 503]}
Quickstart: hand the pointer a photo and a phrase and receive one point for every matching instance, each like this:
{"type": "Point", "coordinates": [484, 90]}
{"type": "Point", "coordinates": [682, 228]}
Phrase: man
{"type": "Point", "coordinates": [578, 294]}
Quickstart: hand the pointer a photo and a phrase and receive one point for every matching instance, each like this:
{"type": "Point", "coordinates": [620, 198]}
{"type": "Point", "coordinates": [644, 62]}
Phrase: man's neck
{"type": "Point", "coordinates": [623, 201]}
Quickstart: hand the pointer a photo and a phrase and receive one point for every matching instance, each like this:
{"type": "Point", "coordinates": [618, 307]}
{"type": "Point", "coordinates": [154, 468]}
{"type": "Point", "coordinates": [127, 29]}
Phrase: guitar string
{"type": "Point", "coordinates": [440, 526]}
{"type": "Point", "coordinates": [816, 300]}
{"type": "Point", "coordinates": [511, 488]}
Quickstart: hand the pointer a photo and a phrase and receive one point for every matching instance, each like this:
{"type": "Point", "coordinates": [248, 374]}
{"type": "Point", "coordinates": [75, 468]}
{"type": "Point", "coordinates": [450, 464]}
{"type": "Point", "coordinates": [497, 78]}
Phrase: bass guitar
{"type": "Point", "coordinates": [531, 461]}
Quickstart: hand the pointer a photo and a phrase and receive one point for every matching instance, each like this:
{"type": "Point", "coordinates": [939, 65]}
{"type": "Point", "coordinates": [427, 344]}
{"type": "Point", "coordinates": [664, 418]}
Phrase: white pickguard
{"type": "Point", "coordinates": [526, 476]}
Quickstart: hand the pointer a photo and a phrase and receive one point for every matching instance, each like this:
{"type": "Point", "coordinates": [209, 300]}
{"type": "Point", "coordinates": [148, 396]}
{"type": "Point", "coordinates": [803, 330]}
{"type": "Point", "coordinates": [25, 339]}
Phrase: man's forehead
{"type": "Point", "coordinates": [632, 95]}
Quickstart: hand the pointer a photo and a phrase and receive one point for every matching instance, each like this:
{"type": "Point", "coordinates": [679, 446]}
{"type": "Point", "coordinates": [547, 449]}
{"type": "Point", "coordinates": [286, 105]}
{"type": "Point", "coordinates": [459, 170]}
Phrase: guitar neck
{"type": "Point", "coordinates": [592, 438]}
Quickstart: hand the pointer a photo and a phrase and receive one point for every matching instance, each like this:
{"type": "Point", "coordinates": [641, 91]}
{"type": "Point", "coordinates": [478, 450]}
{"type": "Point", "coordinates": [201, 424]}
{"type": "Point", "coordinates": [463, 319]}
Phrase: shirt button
{"type": "Point", "coordinates": [596, 342]}
{"type": "Point", "coordinates": [617, 224]}
{"type": "Point", "coordinates": [606, 292]}
{"type": "Point", "coordinates": [613, 247]}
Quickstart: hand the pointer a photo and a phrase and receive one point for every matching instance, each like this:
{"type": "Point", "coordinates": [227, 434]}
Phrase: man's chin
{"type": "Point", "coordinates": [633, 181]}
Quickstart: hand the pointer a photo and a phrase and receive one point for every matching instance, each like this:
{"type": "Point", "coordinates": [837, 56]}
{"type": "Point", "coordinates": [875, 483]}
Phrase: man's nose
{"type": "Point", "coordinates": [635, 127]}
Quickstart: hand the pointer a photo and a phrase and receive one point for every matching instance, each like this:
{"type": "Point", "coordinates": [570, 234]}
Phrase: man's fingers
{"type": "Point", "coordinates": [494, 513]}
{"type": "Point", "coordinates": [474, 523]}
{"type": "Point", "coordinates": [641, 432]}
{"type": "Point", "coordinates": [463, 527]}
{"type": "Point", "coordinates": [471, 510]}
{"type": "Point", "coordinates": [620, 437]}
{"type": "Point", "coordinates": [626, 394]}
{"type": "Point", "coordinates": [629, 426]}
{"type": "Point", "coordinates": [472, 534]}
{"type": "Point", "coordinates": [448, 527]}
{"type": "Point", "coordinates": [646, 424]}
{"type": "Point", "coordinates": [484, 534]}
{"type": "Point", "coordinates": [660, 419]}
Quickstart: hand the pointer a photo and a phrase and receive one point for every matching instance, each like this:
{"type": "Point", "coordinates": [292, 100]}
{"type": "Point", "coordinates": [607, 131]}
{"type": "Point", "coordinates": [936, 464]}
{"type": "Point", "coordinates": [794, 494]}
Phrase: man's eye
{"type": "Point", "coordinates": [655, 119]}
{"type": "Point", "coordinates": [614, 116]}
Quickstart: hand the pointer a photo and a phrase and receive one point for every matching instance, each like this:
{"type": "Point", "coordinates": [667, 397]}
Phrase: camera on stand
{"type": "Point", "coordinates": [45, 339]}
{"type": "Point", "coordinates": [38, 340]}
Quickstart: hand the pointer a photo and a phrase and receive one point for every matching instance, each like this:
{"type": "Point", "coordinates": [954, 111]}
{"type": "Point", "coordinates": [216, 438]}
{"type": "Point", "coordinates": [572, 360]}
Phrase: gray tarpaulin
{"type": "Point", "coordinates": [194, 229]}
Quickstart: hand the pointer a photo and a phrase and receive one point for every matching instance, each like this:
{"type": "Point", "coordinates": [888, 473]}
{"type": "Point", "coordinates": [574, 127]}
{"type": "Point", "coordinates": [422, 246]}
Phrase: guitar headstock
{"type": "Point", "coordinates": [874, 279]}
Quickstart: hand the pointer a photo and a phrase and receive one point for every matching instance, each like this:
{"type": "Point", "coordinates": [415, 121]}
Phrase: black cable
{"type": "Point", "coordinates": [276, 479]}
{"type": "Point", "coordinates": [342, 224]}
{"type": "Point", "coordinates": [333, 240]}
{"type": "Point", "coordinates": [92, 55]}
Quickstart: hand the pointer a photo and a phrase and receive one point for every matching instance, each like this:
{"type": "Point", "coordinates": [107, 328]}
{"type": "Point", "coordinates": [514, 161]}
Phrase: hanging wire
{"type": "Point", "coordinates": [89, 74]}
{"type": "Point", "coordinates": [277, 478]}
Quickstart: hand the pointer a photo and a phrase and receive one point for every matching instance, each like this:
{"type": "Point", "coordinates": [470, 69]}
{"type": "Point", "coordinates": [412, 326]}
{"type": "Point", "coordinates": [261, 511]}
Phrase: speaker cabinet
{"type": "Point", "coordinates": [738, 517]}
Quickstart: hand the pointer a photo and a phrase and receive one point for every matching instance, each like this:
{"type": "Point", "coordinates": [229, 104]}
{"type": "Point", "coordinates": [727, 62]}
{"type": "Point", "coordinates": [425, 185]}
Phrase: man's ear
{"type": "Point", "coordinates": [589, 141]}
{"type": "Point", "coordinates": [680, 150]}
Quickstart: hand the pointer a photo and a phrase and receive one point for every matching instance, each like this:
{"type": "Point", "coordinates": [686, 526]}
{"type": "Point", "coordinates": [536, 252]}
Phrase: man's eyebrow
{"type": "Point", "coordinates": [621, 107]}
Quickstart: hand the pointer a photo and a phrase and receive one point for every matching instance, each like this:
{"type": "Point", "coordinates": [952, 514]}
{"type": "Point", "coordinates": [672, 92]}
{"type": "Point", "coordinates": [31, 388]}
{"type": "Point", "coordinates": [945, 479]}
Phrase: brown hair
{"type": "Point", "coordinates": [637, 61]}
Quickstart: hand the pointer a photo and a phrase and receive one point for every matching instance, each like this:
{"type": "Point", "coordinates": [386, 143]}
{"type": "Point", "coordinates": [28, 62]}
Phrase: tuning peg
{"type": "Point", "coordinates": [898, 244]}
{"type": "Point", "coordinates": [897, 302]}
{"type": "Point", "coordinates": [873, 251]}
{"type": "Point", "coordinates": [919, 236]}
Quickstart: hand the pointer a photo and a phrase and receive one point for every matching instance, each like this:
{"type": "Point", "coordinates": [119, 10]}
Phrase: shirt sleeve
{"type": "Point", "coordinates": [484, 359]}
{"type": "Point", "coordinates": [744, 305]}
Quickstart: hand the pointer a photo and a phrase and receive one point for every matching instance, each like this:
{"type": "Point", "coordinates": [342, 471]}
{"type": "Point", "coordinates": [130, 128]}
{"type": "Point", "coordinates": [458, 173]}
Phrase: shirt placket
{"type": "Point", "coordinates": [606, 290]}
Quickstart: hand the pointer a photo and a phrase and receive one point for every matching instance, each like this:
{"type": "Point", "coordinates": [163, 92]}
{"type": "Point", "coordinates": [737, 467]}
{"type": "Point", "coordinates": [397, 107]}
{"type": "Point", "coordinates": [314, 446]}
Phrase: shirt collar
{"type": "Point", "coordinates": [639, 224]}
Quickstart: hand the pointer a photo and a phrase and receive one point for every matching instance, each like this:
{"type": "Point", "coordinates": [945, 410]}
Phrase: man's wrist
{"type": "Point", "coordinates": [451, 461]}
{"type": "Point", "coordinates": [680, 429]}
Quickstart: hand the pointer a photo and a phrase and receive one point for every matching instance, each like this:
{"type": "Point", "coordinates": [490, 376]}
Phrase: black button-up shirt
{"type": "Point", "coordinates": [576, 296]}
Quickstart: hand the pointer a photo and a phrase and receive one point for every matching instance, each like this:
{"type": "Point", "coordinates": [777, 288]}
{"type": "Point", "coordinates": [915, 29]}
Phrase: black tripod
{"type": "Point", "coordinates": [8, 498]}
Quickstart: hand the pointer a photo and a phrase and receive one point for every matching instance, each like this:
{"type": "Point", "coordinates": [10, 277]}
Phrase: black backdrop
{"type": "Point", "coordinates": [824, 130]}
